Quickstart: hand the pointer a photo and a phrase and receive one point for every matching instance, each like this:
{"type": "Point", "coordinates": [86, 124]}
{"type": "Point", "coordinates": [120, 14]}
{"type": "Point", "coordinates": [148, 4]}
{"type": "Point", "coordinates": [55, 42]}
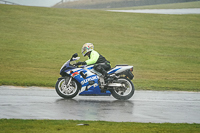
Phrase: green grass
{"type": "Point", "coordinates": [36, 41]}
{"type": "Point", "coordinates": [63, 126]}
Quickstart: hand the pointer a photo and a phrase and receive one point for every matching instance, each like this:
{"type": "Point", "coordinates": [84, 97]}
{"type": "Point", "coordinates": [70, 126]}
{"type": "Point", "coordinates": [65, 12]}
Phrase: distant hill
{"type": "Point", "coordinates": [103, 4]}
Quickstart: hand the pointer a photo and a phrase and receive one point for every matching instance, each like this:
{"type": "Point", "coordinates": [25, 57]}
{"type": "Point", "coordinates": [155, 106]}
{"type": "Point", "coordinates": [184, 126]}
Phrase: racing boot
{"type": "Point", "coordinates": [107, 77]}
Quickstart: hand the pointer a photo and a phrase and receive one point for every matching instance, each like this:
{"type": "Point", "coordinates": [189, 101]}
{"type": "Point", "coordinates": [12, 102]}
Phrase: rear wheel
{"type": "Point", "coordinates": [67, 91]}
{"type": "Point", "coordinates": [125, 92]}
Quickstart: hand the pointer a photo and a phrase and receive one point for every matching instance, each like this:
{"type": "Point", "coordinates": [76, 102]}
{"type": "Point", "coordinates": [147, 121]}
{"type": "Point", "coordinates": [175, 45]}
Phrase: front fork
{"type": "Point", "coordinates": [68, 80]}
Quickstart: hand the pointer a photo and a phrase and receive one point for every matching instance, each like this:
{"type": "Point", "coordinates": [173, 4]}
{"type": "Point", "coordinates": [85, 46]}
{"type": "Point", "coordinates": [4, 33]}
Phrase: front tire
{"type": "Point", "coordinates": [67, 91]}
{"type": "Point", "coordinates": [123, 93]}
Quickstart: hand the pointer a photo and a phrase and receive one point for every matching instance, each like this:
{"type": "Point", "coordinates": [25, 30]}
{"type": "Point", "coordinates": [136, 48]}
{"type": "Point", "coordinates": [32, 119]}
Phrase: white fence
{"type": "Point", "coordinates": [7, 2]}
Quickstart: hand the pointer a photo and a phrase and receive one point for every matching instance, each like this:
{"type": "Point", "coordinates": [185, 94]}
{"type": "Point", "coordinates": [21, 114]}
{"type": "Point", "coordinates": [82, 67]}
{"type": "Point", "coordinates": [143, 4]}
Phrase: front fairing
{"type": "Point", "coordinates": [86, 87]}
{"type": "Point", "coordinates": [89, 76]}
{"type": "Point", "coordinates": [66, 69]}
{"type": "Point", "coordinates": [88, 80]}
{"type": "Point", "coordinates": [69, 65]}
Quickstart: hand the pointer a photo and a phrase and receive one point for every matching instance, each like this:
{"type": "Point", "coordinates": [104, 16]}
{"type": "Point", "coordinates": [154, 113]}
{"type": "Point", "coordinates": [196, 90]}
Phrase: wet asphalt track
{"type": "Point", "coordinates": [163, 11]}
{"type": "Point", "coordinates": [144, 106]}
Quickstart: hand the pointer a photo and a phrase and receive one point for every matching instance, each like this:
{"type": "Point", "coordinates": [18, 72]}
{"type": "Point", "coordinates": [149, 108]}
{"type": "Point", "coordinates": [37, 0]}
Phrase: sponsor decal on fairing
{"type": "Point", "coordinates": [88, 79]}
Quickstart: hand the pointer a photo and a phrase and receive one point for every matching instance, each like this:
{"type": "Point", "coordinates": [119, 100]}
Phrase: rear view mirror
{"type": "Point", "coordinates": [75, 55]}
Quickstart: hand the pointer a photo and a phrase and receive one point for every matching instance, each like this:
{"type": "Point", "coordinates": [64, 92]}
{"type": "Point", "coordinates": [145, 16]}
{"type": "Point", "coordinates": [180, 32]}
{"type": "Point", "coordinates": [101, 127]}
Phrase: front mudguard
{"type": "Point", "coordinates": [67, 78]}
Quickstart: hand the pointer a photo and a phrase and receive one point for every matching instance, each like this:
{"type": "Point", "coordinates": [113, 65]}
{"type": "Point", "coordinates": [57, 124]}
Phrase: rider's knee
{"type": "Point", "coordinates": [98, 68]}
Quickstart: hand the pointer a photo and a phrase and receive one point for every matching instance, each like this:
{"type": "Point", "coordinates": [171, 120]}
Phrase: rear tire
{"type": "Point", "coordinates": [123, 93]}
{"type": "Point", "coordinates": [65, 91]}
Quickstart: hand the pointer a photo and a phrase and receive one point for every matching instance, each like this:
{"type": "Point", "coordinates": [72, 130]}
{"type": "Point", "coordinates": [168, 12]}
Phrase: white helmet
{"type": "Point", "coordinates": [87, 47]}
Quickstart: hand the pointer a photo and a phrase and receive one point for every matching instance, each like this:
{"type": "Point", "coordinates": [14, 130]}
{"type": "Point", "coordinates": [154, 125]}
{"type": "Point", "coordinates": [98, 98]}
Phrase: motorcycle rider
{"type": "Point", "coordinates": [100, 63]}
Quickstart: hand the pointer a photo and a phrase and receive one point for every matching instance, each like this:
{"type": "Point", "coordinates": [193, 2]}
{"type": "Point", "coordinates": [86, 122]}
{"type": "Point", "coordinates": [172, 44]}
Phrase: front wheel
{"type": "Point", "coordinates": [67, 91]}
{"type": "Point", "coordinates": [125, 92]}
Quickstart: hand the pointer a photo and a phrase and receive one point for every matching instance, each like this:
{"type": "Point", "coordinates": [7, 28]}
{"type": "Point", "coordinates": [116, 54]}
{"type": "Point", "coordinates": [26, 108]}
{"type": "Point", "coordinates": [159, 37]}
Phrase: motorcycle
{"type": "Point", "coordinates": [88, 82]}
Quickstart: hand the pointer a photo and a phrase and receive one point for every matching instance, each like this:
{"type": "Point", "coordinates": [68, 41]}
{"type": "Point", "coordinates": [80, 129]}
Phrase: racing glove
{"type": "Point", "coordinates": [81, 63]}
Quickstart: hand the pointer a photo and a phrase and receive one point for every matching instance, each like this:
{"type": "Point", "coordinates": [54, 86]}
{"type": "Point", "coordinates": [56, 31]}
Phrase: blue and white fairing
{"type": "Point", "coordinates": [119, 69]}
{"type": "Point", "coordinates": [86, 88]}
{"type": "Point", "coordinates": [75, 73]}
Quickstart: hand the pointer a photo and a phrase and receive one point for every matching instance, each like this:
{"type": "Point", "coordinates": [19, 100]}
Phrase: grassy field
{"type": "Point", "coordinates": [36, 41]}
{"type": "Point", "coordinates": [63, 126]}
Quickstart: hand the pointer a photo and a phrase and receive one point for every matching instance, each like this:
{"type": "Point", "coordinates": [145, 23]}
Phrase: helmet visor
{"type": "Point", "coordinates": [84, 51]}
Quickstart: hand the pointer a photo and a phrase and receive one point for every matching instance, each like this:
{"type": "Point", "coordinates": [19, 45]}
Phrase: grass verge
{"type": "Point", "coordinates": [71, 126]}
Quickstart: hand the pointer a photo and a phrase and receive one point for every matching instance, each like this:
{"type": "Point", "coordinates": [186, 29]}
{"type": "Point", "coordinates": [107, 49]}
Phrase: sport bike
{"type": "Point", "coordinates": [86, 81]}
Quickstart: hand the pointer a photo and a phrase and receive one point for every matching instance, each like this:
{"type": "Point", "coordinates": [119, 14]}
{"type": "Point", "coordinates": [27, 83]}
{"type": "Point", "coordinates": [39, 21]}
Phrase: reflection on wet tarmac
{"type": "Point", "coordinates": [110, 110]}
{"type": "Point", "coordinates": [144, 106]}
